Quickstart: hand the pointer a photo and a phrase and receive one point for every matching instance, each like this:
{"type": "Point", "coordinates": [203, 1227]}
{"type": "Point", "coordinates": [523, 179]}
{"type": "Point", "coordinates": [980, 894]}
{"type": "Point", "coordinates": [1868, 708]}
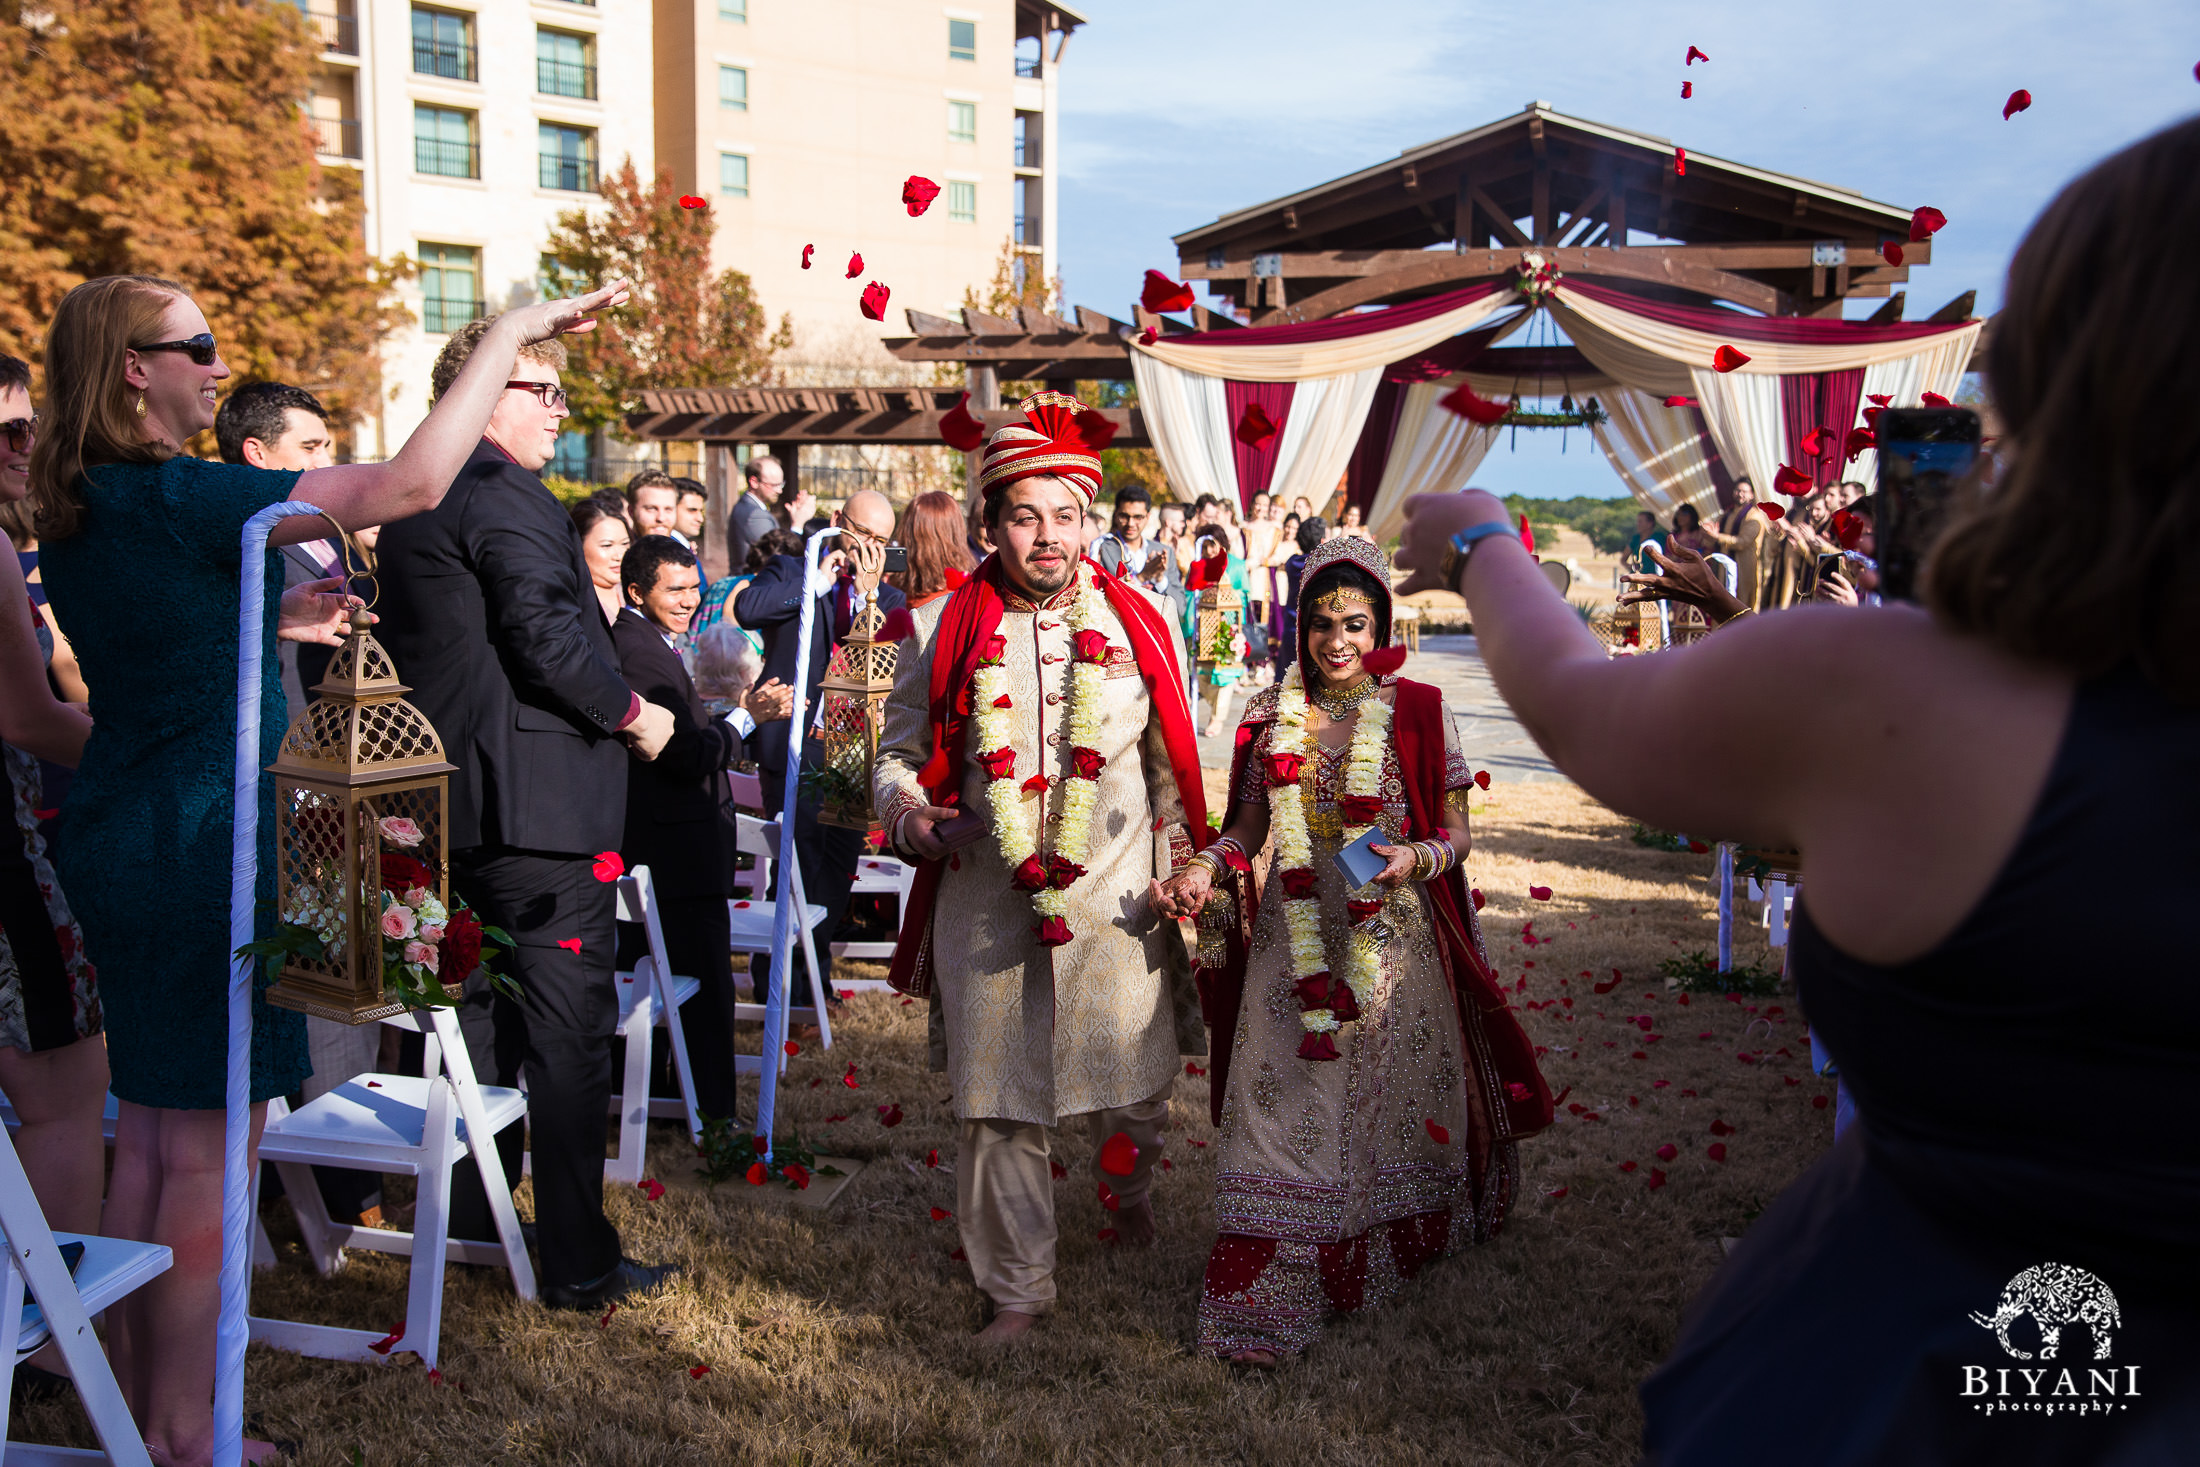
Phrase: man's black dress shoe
{"type": "Point", "coordinates": [626, 1277]}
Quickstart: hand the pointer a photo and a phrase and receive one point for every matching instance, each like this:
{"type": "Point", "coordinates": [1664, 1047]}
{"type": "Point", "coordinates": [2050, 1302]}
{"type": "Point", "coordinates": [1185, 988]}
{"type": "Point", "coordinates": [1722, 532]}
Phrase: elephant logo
{"type": "Point", "coordinates": [2054, 1294]}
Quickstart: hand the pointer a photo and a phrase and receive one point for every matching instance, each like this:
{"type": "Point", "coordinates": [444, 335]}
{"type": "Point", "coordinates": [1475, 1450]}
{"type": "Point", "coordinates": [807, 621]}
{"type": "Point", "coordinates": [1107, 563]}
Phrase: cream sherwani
{"type": "Point", "coordinates": [1036, 1034]}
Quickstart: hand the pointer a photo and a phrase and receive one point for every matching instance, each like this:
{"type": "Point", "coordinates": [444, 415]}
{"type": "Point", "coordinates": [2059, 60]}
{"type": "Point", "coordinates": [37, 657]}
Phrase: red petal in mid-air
{"type": "Point", "coordinates": [807, 251]}
{"type": "Point", "coordinates": [690, 201]}
{"type": "Point", "coordinates": [1148, 337]}
{"type": "Point", "coordinates": [1680, 402]}
{"type": "Point", "coordinates": [1680, 162]}
{"type": "Point", "coordinates": [1461, 400]}
{"type": "Point", "coordinates": [610, 866]}
{"type": "Point", "coordinates": [1163, 295]}
{"type": "Point", "coordinates": [1891, 253]}
{"type": "Point", "coordinates": [874, 301]}
{"type": "Point", "coordinates": [1694, 56]}
{"type": "Point", "coordinates": [1879, 399]}
{"type": "Point", "coordinates": [1934, 399]}
{"type": "Point", "coordinates": [1482, 778]}
{"type": "Point", "coordinates": [917, 193]}
{"type": "Point", "coordinates": [1384, 661]}
{"type": "Point", "coordinates": [855, 264]}
{"type": "Point", "coordinates": [1773, 511]}
{"type": "Point", "coordinates": [1119, 1155]}
{"type": "Point", "coordinates": [1688, 89]}
{"type": "Point", "coordinates": [1254, 427]}
{"type": "Point", "coordinates": [2018, 101]}
{"type": "Point", "coordinates": [1786, 480]}
{"type": "Point", "coordinates": [1817, 443]}
{"type": "Point", "coordinates": [1726, 359]}
{"type": "Point", "coordinates": [1926, 222]}
{"type": "Point", "coordinates": [961, 428]}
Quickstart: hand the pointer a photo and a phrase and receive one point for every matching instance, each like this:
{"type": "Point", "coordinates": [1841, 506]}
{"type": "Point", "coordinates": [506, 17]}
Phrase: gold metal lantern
{"type": "Point", "coordinates": [1221, 617]}
{"type": "Point", "coordinates": [361, 775]}
{"type": "Point", "coordinates": [853, 702]}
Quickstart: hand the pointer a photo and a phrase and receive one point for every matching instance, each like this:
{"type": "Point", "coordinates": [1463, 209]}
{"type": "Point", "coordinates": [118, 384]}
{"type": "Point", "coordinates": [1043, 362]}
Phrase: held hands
{"type": "Point", "coordinates": [650, 731]}
{"type": "Point", "coordinates": [1401, 862]}
{"type": "Point", "coordinates": [546, 319]}
{"type": "Point", "coordinates": [1431, 521]}
{"type": "Point", "coordinates": [1185, 894]}
{"type": "Point", "coordinates": [918, 827]}
{"type": "Point", "coordinates": [321, 611]}
{"type": "Point", "coordinates": [769, 702]}
{"type": "Point", "coordinates": [1688, 579]}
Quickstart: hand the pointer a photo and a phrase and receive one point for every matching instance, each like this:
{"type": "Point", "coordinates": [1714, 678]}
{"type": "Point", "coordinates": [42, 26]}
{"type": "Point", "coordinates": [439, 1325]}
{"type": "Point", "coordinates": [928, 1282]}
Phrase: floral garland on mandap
{"type": "Point", "coordinates": [1326, 1003]}
{"type": "Point", "coordinates": [1047, 878]}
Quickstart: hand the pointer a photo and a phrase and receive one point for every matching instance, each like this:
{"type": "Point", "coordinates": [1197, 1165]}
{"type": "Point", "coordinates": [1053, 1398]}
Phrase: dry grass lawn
{"type": "Point", "coordinates": [843, 1336]}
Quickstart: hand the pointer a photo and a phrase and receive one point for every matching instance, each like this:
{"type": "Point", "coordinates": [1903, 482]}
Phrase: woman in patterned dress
{"type": "Point", "coordinates": [1369, 1084]}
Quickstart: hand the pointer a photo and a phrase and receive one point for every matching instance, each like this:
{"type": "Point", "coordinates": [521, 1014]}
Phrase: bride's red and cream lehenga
{"type": "Point", "coordinates": [1337, 1180]}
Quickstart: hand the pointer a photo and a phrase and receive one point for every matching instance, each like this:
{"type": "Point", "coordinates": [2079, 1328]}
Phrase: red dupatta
{"type": "Point", "coordinates": [1500, 1059]}
{"type": "Point", "coordinates": [972, 617]}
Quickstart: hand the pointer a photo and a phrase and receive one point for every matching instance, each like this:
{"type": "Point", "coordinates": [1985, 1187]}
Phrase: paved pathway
{"type": "Point", "coordinates": [1492, 738]}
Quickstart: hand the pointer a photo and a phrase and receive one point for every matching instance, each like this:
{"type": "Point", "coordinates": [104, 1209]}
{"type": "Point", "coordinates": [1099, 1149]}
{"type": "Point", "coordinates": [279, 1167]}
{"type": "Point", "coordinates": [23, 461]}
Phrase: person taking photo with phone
{"type": "Point", "coordinates": [1972, 773]}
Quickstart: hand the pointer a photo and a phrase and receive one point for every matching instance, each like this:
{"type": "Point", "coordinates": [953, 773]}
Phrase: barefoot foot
{"type": "Point", "coordinates": [1007, 1325]}
{"type": "Point", "coordinates": [1256, 1359]}
{"type": "Point", "coordinates": [1134, 1225]}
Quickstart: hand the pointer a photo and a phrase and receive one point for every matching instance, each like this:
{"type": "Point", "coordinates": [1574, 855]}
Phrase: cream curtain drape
{"type": "Point", "coordinates": [1297, 362]}
{"type": "Point", "coordinates": [1326, 417]}
{"type": "Point", "coordinates": [1680, 345]}
{"type": "Point", "coordinates": [1434, 451]}
{"type": "Point", "coordinates": [1188, 417]}
{"type": "Point", "coordinates": [1658, 452]}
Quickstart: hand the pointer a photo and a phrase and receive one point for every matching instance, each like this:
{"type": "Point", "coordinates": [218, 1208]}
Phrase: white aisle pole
{"type": "Point", "coordinates": [784, 912]}
{"type": "Point", "coordinates": [244, 871]}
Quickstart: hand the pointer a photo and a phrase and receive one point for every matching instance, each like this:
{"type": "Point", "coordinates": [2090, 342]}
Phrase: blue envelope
{"type": "Point", "coordinates": [1358, 861]}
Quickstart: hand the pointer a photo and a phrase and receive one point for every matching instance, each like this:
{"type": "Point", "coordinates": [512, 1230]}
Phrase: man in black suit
{"type": "Point", "coordinates": [678, 821]}
{"type": "Point", "coordinates": [491, 616]}
{"type": "Point", "coordinates": [772, 604]}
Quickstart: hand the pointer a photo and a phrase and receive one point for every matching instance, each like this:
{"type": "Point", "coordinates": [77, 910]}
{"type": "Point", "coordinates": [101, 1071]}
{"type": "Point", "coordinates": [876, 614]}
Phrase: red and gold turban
{"type": "Point", "coordinates": [1059, 436]}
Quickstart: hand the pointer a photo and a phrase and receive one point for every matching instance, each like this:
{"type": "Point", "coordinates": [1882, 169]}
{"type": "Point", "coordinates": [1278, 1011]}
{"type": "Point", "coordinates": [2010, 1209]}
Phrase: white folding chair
{"type": "Point", "coordinates": [61, 1310]}
{"type": "Point", "coordinates": [751, 921]}
{"type": "Point", "coordinates": [418, 1125]}
{"type": "Point", "coordinates": [747, 789]}
{"type": "Point", "coordinates": [650, 995]}
{"type": "Point", "coordinates": [877, 876]}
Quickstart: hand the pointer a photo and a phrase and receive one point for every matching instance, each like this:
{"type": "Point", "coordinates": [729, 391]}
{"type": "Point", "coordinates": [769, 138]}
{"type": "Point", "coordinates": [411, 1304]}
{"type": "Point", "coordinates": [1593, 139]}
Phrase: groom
{"type": "Point", "coordinates": [1037, 760]}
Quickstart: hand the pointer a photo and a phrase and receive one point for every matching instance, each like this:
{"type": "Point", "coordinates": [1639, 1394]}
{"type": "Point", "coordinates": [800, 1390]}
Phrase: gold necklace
{"type": "Point", "coordinates": [1341, 705]}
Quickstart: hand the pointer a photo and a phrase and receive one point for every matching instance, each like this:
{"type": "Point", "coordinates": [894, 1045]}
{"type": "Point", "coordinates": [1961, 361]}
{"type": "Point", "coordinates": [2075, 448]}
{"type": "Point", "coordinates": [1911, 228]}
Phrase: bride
{"type": "Point", "coordinates": [1369, 1084]}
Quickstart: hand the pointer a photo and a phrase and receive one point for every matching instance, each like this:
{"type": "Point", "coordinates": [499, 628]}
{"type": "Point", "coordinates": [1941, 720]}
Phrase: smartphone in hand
{"type": "Point", "coordinates": [1924, 454]}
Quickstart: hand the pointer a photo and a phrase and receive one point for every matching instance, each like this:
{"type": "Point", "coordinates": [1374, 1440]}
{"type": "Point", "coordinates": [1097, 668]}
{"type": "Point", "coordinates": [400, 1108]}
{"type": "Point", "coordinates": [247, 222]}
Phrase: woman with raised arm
{"type": "Point", "coordinates": [131, 369]}
{"type": "Point", "coordinates": [1369, 1083]}
{"type": "Point", "coordinates": [1973, 781]}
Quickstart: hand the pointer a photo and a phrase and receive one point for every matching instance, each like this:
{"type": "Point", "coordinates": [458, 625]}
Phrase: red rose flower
{"type": "Point", "coordinates": [1284, 768]}
{"type": "Point", "coordinates": [1313, 991]}
{"type": "Point", "coordinates": [1363, 911]}
{"type": "Point", "coordinates": [1000, 764]}
{"type": "Point", "coordinates": [1317, 1047]}
{"type": "Point", "coordinates": [1360, 809]}
{"type": "Point", "coordinates": [1087, 762]}
{"type": "Point", "coordinates": [1298, 883]}
{"type": "Point", "coordinates": [401, 873]}
{"type": "Point", "coordinates": [459, 953]}
{"type": "Point", "coordinates": [996, 647]}
{"type": "Point", "coordinates": [1031, 875]}
{"type": "Point", "coordinates": [1053, 932]}
{"type": "Point", "coordinates": [1091, 645]}
{"type": "Point", "coordinates": [1036, 785]}
{"type": "Point", "coordinates": [1061, 870]}
{"type": "Point", "coordinates": [1343, 1002]}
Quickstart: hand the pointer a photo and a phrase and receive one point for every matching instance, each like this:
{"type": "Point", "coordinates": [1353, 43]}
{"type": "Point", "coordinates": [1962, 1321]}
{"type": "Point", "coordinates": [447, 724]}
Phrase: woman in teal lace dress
{"type": "Point", "coordinates": [141, 553]}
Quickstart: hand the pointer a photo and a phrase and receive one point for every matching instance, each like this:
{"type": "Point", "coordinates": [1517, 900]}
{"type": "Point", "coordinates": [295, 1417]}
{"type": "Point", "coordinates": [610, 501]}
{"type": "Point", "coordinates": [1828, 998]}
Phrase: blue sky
{"type": "Point", "coordinates": [1177, 111]}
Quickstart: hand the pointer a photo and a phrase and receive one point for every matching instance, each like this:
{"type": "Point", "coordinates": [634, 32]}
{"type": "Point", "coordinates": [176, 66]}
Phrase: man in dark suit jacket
{"type": "Point", "coordinates": [754, 515]}
{"type": "Point", "coordinates": [772, 604]}
{"type": "Point", "coordinates": [678, 821]}
{"type": "Point", "coordinates": [491, 617]}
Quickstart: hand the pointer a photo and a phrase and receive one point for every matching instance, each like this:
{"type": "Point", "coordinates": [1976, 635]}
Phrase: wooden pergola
{"type": "Point", "coordinates": [1602, 202]}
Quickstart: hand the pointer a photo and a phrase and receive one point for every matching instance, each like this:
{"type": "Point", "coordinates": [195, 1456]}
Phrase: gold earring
{"type": "Point", "coordinates": [141, 404]}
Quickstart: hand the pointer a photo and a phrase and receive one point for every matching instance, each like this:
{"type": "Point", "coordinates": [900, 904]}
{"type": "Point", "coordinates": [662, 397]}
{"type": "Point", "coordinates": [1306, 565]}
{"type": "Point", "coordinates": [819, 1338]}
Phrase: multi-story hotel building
{"type": "Point", "coordinates": [475, 123]}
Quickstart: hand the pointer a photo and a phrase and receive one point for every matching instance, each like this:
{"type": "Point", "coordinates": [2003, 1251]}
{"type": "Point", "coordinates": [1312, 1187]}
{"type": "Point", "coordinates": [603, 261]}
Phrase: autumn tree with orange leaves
{"type": "Point", "coordinates": [686, 326]}
{"type": "Point", "coordinates": [164, 137]}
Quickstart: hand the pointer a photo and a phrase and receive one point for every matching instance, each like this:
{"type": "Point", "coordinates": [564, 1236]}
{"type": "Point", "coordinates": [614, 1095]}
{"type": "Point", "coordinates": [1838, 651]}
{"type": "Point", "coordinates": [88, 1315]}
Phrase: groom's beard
{"type": "Point", "coordinates": [1039, 582]}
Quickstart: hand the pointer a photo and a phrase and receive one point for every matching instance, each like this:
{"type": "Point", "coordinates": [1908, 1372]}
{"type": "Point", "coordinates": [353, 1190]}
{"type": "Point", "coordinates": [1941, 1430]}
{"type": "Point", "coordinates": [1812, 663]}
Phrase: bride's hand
{"type": "Point", "coordinates": [1401, 859]}
{"type": "Point", "coordinates": [1184, 894]}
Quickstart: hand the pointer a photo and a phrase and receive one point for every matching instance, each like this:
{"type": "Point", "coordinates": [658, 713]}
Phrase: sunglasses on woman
{"type": "Point", "coordinates": [201, 347]}
{"type": "Point", "coordinates": [19, 432]}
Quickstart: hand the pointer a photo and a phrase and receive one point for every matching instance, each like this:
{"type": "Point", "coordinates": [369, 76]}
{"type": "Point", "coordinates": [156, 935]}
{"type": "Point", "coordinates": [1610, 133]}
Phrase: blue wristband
{"type": "Point", "coordinates": [1466, 539]}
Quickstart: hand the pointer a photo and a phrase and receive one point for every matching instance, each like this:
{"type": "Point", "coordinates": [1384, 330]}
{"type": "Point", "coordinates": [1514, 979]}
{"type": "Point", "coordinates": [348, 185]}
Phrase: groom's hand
{"type": "Point", "coordinates": [918, 827]}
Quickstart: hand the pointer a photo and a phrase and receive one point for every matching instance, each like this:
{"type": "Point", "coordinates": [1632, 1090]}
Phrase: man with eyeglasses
{"type": "Point", "coordinates": [771, 605]}
{"type": "Point", "coordinates": [491, 616]}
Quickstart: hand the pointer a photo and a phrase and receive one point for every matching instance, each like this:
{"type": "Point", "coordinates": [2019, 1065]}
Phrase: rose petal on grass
{"type": "Point", "coordinates": [605, 1321]}
{"type": "Point", "coordinates": [1818, 1102]}
{"type": "Point", "coordinates": [1718, 1127]}
{"type": "Point", "coordinates": [1668, 1151]}
{"type": "Point", "coordinates": [1627, 1166]}
{"type": "Point", "coordinates": [1107, 1235]}
{"type": "Point", "coordinates": [697, 1372]}
{"type": "Point", "coordinates": [889, 1115]}
{"type": "Point", "coordinates": [1556, 1192]}
{"type": "Point", "coordinates": [1716, 1151]}
{"type": "Point", "coordinates": [650, 1187]}
{"type": "Point", "coordinates": [941, 1214]}
{"type": "Point", "coordinates": [1657, 1179]}
{"type": "Point", "coordinates": [389, 1341]}
{"type": "Point", "coordinates": [1540, 894]}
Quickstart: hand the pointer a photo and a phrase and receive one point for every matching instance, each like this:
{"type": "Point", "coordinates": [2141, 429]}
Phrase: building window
{"type": "Point", "coordinates": [443, 44]}
{"type": "Point", "coordinates": [333, 24]}
{"type": "Point", "coordinates": [565, 64]}
{"type": "Point", "coordinates": [962, 40]}
{"type": "Point", "coordinates": [1027, 211]}
{"type": "Point", "coordinates": [733, 175]}
{"type": "Point", "coordinates": [568, 157]}
{"type": "Point", "coordinates": [733, 87]}
{"type": "Point", "coordinates": [962, 122]}
{"type": "Point", "coordinates": [450, 287]}
{"type": "Point", "coordinates": [1028, 49]}
{"type": "Point", "coordinates": [1027, 140]}
{"type": "Point", "coordinates": [735, 11]}
{"type": "Point", "coordinates": [443, 142]}
{"type": "Point", "coordinates": [962, 202]}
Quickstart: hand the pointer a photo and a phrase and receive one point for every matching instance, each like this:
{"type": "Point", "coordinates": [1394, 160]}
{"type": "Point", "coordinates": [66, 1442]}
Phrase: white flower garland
{"type": "Point", "coordinates": [1295, 846]}
{"type": "Point", "coordinates": [991, 733]}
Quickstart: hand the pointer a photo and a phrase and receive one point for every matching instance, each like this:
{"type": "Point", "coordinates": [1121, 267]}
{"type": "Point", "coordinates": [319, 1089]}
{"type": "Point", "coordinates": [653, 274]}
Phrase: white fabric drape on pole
{"type": "Point", "coordinates": [1904, 383]}
{"type": "Point", "coordinates": [1658, 451]}
{"type": "Point", "coordinates": [1743, 410]}
{"type": "Point", "coordinates": [1254, 361]}
{"type": "Point", "coordinates": [1319, 435]}
{"type": "Point", "coordinates": [1433, 451]}
{"type": "Point", "coordinates": [1682, 344]}
{"type": "Point", "coordinates": [1189, 421]}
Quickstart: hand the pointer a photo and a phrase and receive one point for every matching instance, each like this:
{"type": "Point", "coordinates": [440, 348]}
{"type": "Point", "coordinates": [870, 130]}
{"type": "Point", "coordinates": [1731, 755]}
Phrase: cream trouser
{"type": "Point", "coordinates": [1004, 1189]}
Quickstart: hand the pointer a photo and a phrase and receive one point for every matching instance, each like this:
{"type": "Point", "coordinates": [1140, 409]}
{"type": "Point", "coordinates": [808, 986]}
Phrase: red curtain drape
{"type": "Point", "coordinates": [1256, 463]}
{"type": "Point", "coordinates": [1826, 400]}
{"type": "Point", "coordinates": [1363, 472]}
{"type": "Point", "coordinates": [1338, 328]}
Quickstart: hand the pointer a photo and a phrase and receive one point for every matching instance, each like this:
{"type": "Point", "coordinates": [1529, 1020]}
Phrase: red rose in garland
{"type": "Point", "coordinates": [1091, 645]}
{"type": "Point", "coordinates": [1298, 883]}
{"type": "Point", "coordinates": [1087, 762]}
{"type": "Point", "coordinates": [999, 764]}
{"type": "Point", "coordinates": [1360, 809]}
{"type": "Point", "coordinates": [1284, 768]}
{"type": "Point", "coordinates": [1031, 875]}
{"type": "Point", "coordinates": [1053, 932]}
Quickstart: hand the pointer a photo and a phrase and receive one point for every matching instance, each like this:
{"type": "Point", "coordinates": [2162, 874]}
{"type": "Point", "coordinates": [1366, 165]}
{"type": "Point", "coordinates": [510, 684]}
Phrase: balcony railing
{"type": "Point", "coordinates": [565, 78]}
{"type": "Point", "coordinates": [576, 175]}
{"type": "Point", "coordinates": [1027, 230]}
{"type": "Point", "coordinates": [452, 59]}
{"type": "Point", "coordinates": [338, 33]}
{"type": "Point", "coordinates": [446, 159]}
{"type": "Point", "coordinates": [443, 316]}
{"type": "Point", "coordinates": [337, 137]}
